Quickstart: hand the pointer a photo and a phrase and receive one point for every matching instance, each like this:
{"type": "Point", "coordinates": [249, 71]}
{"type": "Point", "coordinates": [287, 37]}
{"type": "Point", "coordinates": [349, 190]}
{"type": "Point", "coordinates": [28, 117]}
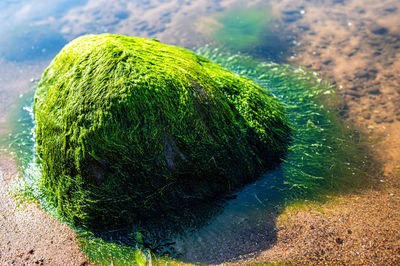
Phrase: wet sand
{"type": "Point", "coordinates": [28, 235]}
{"type": "Point", "coordinates": [356, 43]}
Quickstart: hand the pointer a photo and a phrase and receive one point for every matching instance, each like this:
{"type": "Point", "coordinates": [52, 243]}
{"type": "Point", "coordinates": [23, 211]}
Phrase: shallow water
{"type": "Point", "coordinates": [324, 158]}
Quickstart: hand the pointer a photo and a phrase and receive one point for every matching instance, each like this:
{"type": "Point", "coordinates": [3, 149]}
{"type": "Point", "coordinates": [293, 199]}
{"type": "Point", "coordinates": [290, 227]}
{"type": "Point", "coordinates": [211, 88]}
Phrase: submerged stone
{"type": "Point", "coordinates": [130, 129]}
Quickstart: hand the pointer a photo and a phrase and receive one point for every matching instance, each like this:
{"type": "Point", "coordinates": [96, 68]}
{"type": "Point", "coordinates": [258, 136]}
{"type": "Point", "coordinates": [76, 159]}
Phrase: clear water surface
{"type": "Point", "coordinates": [325, 157]}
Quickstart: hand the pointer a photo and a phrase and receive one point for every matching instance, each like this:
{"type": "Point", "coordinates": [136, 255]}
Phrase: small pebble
{"type": "Point", "coordinates": [389, 120]}
{"type": "Point", "coordinates": [379, 119]}
{"type": "Point", "coordinates": [366, 115]}
{"type": "Point", "coordinates": [374, 91]}
{"type": "Point", "coordinates": [339, 240]}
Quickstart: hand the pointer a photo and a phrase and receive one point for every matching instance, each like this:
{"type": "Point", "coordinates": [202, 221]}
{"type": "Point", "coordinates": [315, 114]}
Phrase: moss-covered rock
{"type": "Point", "coordinates": [130, 128]}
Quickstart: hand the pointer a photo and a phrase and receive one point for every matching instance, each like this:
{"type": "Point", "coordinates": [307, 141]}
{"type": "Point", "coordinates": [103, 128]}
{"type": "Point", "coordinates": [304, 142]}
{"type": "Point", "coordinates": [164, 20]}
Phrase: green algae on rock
{"type": "Point", "coordinates": [128, 129]}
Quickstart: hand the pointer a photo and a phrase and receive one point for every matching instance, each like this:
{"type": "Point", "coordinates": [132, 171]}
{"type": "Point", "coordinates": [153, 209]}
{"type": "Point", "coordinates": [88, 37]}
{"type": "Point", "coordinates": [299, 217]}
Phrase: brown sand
{"type": "Point", "coordinates": [357, 44]}
{"type": "Point", "coordinates": [28, 235]}
{"type": "Point", "coordinates": [354, 42]}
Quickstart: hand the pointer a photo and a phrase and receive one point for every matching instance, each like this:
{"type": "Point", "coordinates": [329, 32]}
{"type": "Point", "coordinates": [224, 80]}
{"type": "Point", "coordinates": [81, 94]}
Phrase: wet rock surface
{"type": "Point", "coordinates": [175, 120]}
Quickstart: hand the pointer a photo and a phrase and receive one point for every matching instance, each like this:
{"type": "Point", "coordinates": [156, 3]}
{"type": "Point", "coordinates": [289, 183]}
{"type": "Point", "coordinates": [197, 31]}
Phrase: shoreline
{"type": "Point", "coordinates": [352, 42]}
{"type": "Point", "coordinates": [360, 53]}
{"type": "Point", "coordinates": [28, 235]}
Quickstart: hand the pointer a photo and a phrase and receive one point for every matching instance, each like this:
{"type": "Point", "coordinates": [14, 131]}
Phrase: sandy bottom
{"type": "Point", "coordinates": [356, 43]}
{"type": "Point", "coordinates": [28, 235]}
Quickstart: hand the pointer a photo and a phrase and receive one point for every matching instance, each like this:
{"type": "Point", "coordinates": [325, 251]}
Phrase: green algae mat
{"type": "Point", "coordinates": [127, 128]}
{"type": "Point", "coordinates": [134, 137]}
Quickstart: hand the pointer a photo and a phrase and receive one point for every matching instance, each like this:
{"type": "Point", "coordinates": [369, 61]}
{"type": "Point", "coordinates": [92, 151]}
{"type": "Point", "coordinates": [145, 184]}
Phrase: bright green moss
{"type": "Point", "coordinates": [128, 129]}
